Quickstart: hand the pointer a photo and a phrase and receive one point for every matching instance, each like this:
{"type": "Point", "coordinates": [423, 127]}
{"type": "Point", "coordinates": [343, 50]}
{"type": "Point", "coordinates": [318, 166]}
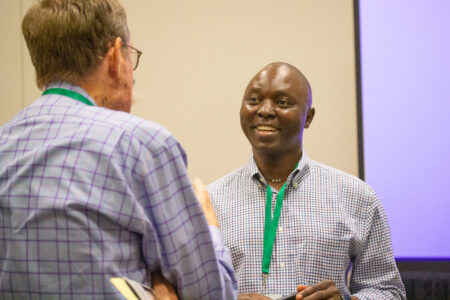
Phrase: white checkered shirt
{"type": "Point", "coordinates": [329, 220]}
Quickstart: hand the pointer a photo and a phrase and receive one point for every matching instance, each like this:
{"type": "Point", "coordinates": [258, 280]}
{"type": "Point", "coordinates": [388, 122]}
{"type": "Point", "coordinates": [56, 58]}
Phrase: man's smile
{"type": "Point", "coordinates": [266, 128]}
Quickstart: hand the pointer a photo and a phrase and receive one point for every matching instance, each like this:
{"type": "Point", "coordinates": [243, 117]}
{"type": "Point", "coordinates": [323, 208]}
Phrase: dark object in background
{"type": "Point", "coordinates": [425, 279]}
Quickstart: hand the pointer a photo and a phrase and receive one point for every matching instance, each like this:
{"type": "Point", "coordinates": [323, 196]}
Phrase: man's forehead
{"type": "Point", "coordinates": [279, 74]}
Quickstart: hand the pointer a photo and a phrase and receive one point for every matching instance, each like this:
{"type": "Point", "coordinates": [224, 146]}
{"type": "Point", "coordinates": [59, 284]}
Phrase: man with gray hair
{"type": "Point", "coordinates": [88, 191]}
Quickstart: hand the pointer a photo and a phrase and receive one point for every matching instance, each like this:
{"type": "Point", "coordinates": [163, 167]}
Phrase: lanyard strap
{"type": "Point", "coordinates": [68, 93]}
{"type": "Point", "coordinates": [271, 225]}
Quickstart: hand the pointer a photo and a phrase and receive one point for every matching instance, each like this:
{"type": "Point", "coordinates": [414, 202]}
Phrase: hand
{"type": "Point", "coordinates": [205, 202]}
{"type": "Point", "coordinates": [253, 296]}
{"type": "Point", "coordinates": [323, 290]}
{"type": "Point", "coordinates": [162, 289]}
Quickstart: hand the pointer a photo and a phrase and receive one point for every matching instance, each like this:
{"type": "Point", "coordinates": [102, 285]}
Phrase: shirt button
{"type": "Point", "coordinates": [295, 184]}
{"type": "Point", "coordinates": [280, 229]}
{"type": "Point", "coordinates": [282, 265]}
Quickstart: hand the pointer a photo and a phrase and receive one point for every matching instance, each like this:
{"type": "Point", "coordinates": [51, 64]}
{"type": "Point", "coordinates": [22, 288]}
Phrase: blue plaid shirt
{"type": "Point", "coordinates": [88, 193]}
{"type": "Point", "coordinates": [328, 220]}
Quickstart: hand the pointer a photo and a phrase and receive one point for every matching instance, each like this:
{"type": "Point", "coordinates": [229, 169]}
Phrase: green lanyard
{"type": "Point", "coordinates": [68, 93]}
{"type": "Point", "coordinates": [270, 228]}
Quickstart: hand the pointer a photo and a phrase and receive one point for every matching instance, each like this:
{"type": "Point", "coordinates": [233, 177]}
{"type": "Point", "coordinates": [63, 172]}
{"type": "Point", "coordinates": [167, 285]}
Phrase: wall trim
{"type": "Point", "coordinates": [359, 117]}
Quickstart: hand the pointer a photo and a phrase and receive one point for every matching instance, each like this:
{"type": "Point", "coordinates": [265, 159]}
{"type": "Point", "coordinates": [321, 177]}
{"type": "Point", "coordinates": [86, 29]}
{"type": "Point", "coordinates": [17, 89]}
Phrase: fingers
{"type": "Point", "coordinates": [200, 189]}
{"type": "Point", "coordinates": [205, 202]}
{"type": "Point", "coordinates": [323, 290]}
{"type": "Point", "coordinates": [252, 296]}
{"type": "Point", "coordinates": [198, 184]}
{"type": "Point", "coordinates": [323, 285]}
{"type": "Point", "coordinates": [301, 288]}
{"type": "Point", "coordinates": [162, 288]}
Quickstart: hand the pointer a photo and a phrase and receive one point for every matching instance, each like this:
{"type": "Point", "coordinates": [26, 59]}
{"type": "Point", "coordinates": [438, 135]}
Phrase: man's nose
{"type": "Point", "coordinates": [266, 109]}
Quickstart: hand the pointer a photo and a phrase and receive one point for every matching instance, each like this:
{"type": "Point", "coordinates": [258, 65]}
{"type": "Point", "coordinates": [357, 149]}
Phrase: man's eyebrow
{"type": "Point", "coordinates": [282, 93]}
{"type": "Point", "coordinates": [254, 90]}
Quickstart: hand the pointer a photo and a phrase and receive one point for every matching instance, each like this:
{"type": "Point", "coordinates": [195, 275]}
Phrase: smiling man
{"type": "Point", "coordinates": [293, 225]}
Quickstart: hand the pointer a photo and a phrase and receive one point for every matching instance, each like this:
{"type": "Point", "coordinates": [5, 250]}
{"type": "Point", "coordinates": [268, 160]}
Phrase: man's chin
{"type": "Point", "coordinates": [266, 149]}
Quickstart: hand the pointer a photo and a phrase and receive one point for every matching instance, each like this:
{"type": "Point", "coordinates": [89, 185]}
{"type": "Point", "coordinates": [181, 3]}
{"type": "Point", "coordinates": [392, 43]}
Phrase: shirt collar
{"type": "Point", "coordinates": [71, 87]}
{"type": "Point", "coordinates": [293, 179]}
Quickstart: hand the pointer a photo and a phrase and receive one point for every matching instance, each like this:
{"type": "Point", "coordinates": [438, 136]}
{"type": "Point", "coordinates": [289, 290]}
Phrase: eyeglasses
{"type": "Point", "coordinates": [135, 54]}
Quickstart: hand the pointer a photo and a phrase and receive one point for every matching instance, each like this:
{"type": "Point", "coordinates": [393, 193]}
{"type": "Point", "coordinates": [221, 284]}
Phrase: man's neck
{"type": "Point", "coordinates": [275, 168]}
{"type": "Point", "coordinates": [95, 88]}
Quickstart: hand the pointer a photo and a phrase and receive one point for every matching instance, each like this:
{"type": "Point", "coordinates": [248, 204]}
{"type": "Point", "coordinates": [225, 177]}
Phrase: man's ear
{"type": "Point", "coordinates": [114, 57]}
{"type": "Point", "coordinates": [309, 116]}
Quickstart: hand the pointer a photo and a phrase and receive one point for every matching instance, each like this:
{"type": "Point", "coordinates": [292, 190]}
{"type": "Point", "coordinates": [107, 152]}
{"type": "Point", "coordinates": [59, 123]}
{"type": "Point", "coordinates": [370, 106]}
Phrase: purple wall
{"type": "Point", "coordinates": [405, 70]}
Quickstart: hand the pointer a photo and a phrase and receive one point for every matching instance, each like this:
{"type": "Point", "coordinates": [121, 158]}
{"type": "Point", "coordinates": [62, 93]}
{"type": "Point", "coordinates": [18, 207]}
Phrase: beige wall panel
{"type": "Point", "coordinates": [10, 60]}
{"type": "Point", "coordinates": [30, 89]}
{"type": "Point", "coordinates": [199, 56]}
